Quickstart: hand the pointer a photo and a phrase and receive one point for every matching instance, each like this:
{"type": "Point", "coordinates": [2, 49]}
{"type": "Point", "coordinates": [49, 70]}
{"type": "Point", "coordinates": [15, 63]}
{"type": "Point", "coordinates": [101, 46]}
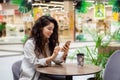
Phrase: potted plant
{"type": "Point", "coordinates": [97, 57]}
{"type": "Point", "coordinates": [92, 55]}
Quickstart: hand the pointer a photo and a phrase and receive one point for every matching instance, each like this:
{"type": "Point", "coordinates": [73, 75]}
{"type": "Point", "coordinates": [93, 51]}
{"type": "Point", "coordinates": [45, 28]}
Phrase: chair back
{"type": "Point", "coordinates": [112, 69]}
{"type": "Point", "coordinates": [16, 69]}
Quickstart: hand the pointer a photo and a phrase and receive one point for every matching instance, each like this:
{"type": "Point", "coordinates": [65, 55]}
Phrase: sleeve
{"type": "Point", "coordinates": [30, 56]}
{"type": "Point", "coordinates": [59, 58]}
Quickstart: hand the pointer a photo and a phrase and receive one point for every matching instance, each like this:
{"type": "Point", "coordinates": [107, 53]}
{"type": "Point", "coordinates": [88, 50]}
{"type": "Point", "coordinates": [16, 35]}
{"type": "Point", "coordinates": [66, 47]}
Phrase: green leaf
{"type": "Point", "coordinates": [18, 2]}
{"type": "Point", "coordinates": [116, 35]}
{"type": "Point", "coordinates": [90, 54]}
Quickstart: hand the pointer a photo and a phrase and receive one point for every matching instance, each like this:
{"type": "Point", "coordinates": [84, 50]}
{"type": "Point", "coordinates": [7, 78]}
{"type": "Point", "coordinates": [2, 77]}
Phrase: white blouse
{"type": "Point", "coordinates": [30, 61]}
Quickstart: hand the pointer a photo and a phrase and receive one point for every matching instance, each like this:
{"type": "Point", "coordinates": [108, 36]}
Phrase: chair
{"type": "Point", "coordinates": [112, 69]}
{"type": "Point", "coordinates": [16, 69]}
{"type": "Point", "coordinates": [16, 72]}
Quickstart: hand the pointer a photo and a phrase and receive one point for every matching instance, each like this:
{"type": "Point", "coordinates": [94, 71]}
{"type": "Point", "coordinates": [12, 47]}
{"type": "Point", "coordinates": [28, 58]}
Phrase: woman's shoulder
{"type": "Point", "coordinates": [29, 41]}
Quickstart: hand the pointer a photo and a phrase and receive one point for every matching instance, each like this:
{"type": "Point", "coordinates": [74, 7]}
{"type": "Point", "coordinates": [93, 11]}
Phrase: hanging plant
{"type": "Point", "coordinates": [116, 6]}
{"type": "Point", "coordinates": [82, 6]}
{"type": "Point", "coordinates": [25, 6]}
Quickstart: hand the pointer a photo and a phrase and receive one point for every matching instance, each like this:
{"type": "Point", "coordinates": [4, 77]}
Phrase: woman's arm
{"type": "Point", "coordinates": [54, 55]}
{"type": "Point", "coordinates": [59, 58]}
{"type": "Point", "coordinates": [62, 54]}
{"type": "Point", "coordinates": [30, 56]}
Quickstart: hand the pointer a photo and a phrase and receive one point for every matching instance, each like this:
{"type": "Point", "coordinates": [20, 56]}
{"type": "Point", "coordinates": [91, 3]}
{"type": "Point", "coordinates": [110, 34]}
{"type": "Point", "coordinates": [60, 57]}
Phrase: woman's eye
{"type": "Point", "coordinates": [50, 29]}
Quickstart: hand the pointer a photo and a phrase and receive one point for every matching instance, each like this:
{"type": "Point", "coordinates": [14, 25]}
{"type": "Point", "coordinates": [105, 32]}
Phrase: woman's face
{"type": "Point", "coordinates": [48, 30]}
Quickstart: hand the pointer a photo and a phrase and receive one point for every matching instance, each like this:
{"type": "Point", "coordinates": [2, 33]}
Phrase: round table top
{"type": "Point", "coordinates": [67, 69]}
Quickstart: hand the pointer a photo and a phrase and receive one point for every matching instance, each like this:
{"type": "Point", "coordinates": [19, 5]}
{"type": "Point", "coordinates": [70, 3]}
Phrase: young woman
{"type": "Point", "coordinates": [41, 49]}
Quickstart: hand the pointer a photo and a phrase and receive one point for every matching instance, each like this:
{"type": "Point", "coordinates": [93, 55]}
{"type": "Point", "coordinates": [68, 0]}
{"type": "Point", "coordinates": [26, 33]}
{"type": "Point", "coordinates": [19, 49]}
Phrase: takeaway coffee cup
{"type": "Point", "coordinates": [80, 59]}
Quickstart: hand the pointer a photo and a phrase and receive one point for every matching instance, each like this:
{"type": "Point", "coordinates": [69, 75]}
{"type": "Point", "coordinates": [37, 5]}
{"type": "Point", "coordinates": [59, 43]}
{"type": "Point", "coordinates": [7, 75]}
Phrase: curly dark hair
{"type": "Point", "coordinates": [38, 37]}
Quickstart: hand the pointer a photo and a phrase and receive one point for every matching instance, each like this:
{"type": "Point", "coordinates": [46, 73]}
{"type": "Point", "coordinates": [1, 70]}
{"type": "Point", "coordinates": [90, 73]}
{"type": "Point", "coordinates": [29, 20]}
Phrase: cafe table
{"type": "Point", "coordinates": [69, 70]}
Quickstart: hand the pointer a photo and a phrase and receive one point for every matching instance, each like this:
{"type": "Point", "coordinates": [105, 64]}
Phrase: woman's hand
{"type": "Point", "coordinates": [55, 52]}
{"type": "Point", "coordinates": [54, 55]}
{"type": "Point", "coordinates": [65, 49]}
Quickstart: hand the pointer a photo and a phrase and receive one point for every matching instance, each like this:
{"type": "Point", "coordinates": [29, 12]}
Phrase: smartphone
{"type": "Point", "coordinates": [67, 43]}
